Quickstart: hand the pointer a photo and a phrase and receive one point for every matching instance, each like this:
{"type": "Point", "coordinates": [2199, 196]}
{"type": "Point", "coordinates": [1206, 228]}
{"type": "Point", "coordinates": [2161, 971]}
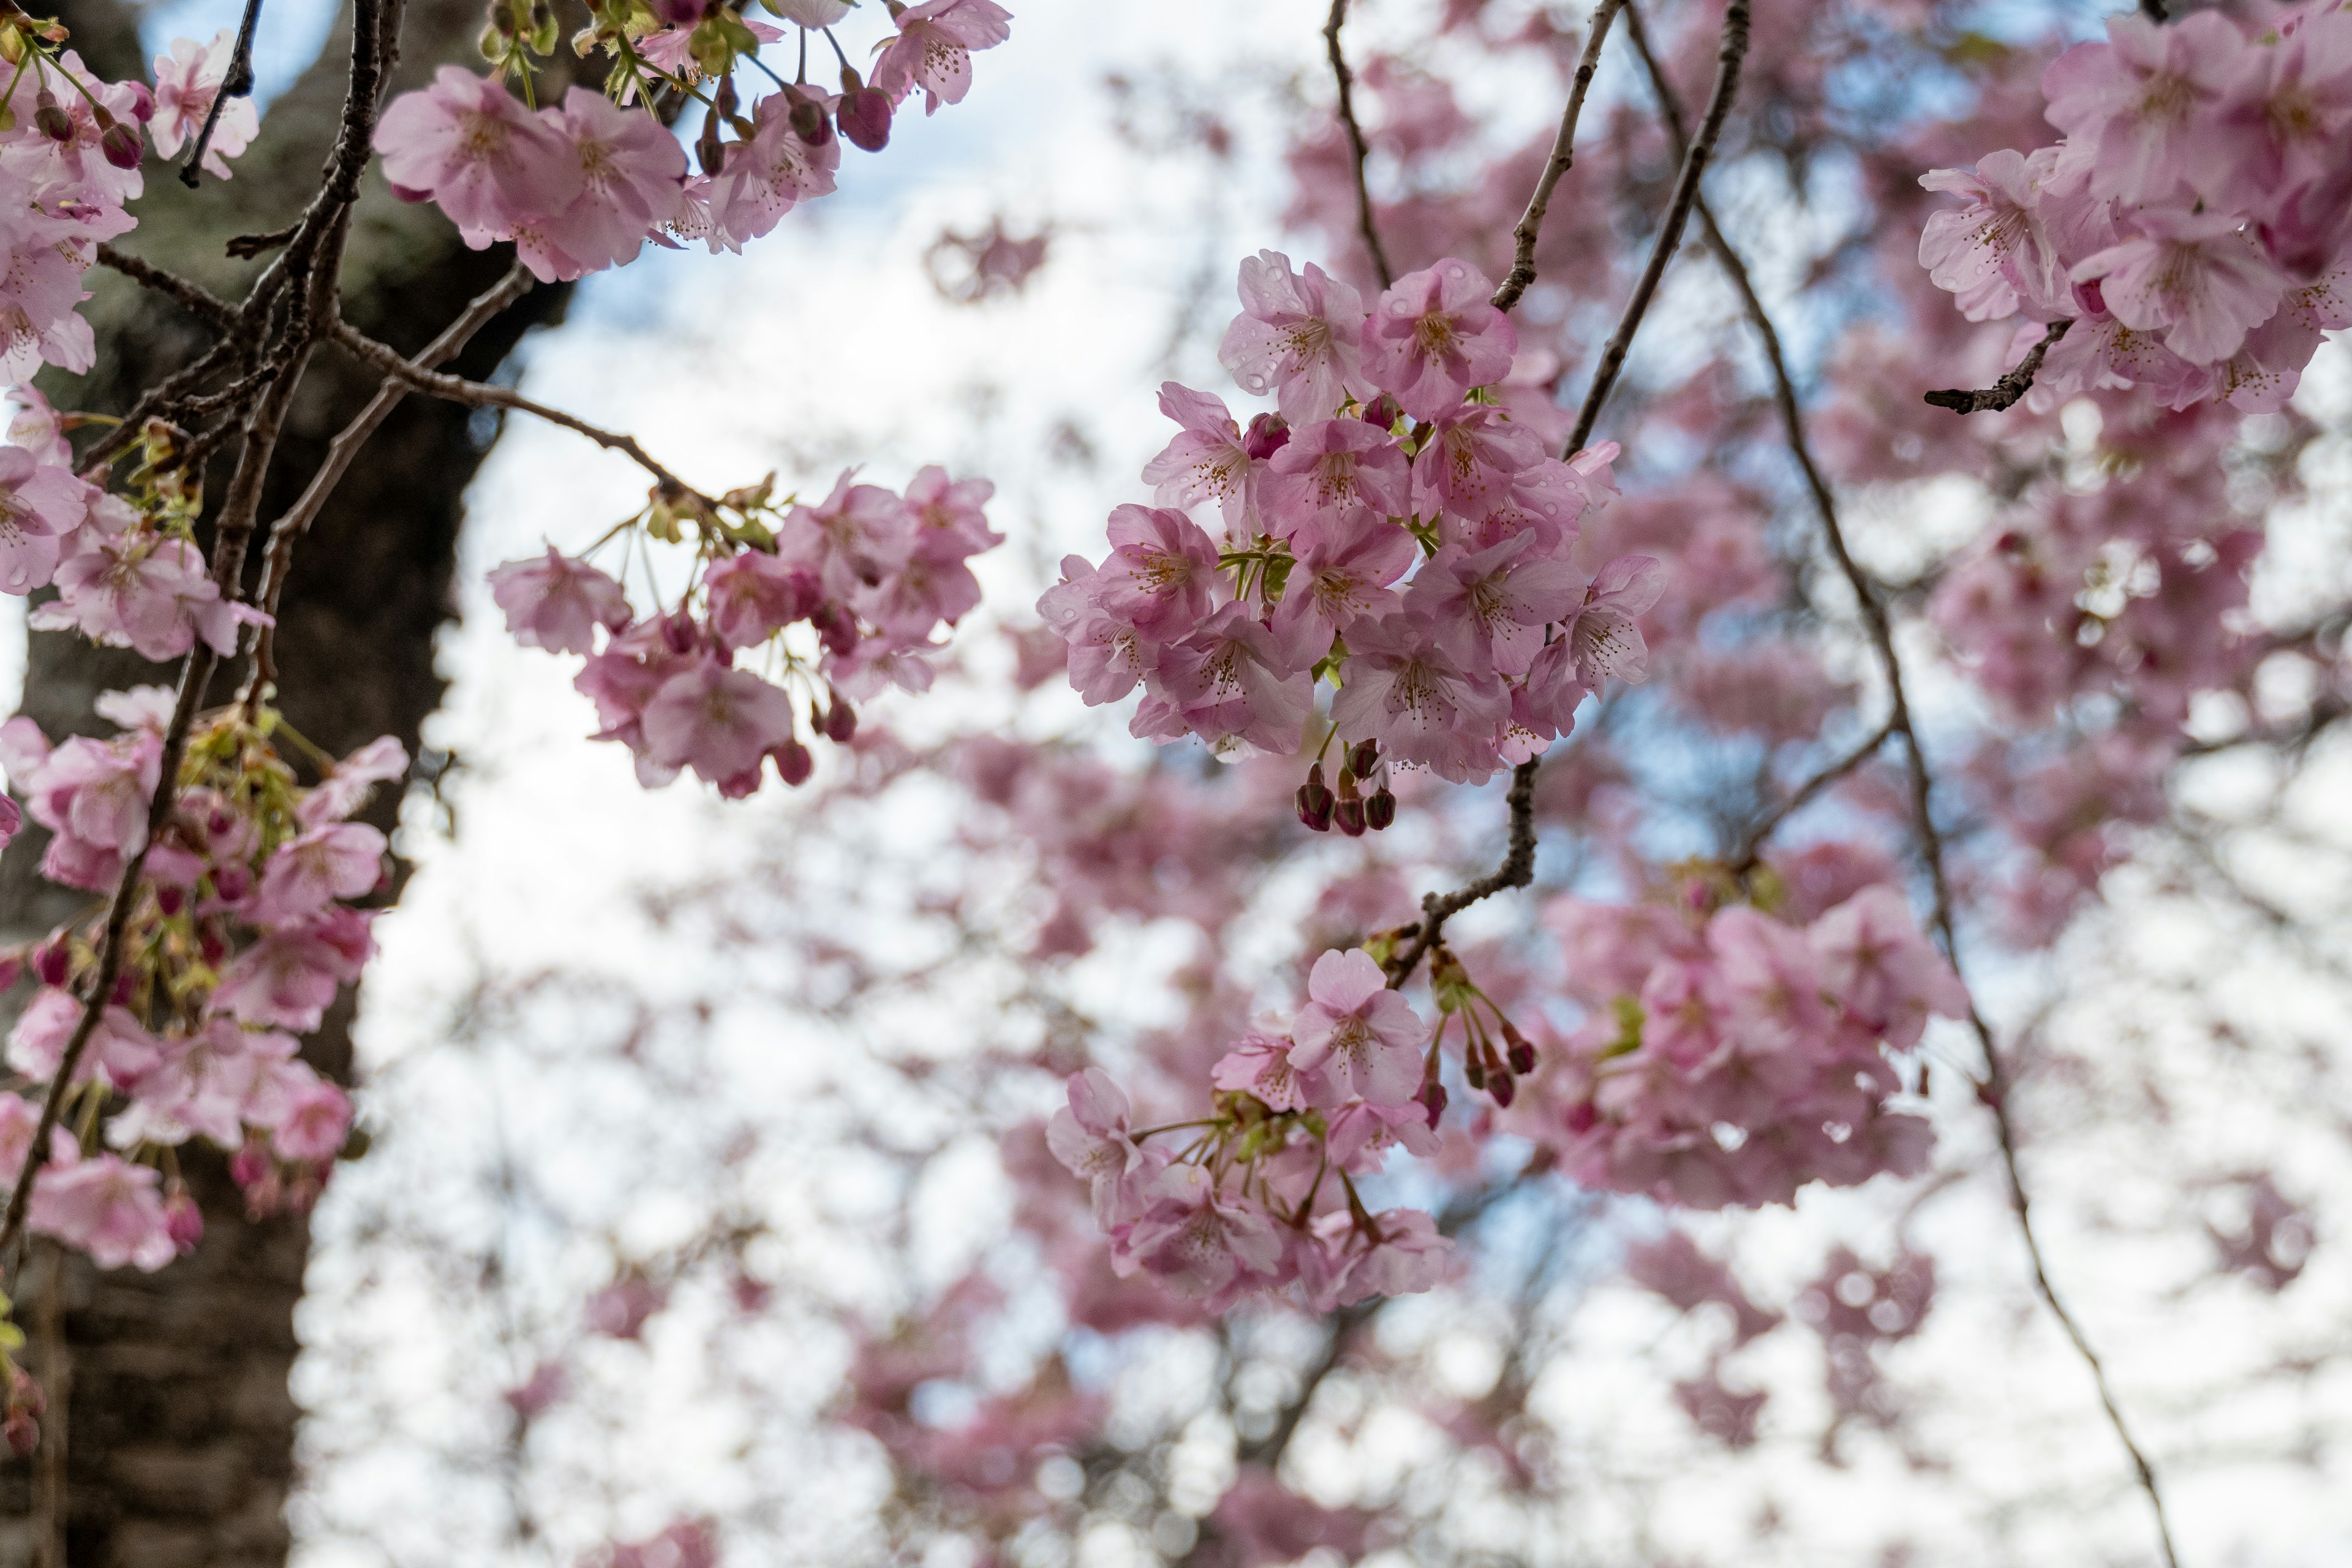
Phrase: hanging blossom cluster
{"type": "Point", "coordinates": [241, 932]}
{"type": "Point", "coordinates": [580, 185]}
{"type": "Point", "coordinates": [1388, 528]}
{"type": "Point", "coordinates": [1260, 1195]}
{"type": "Point", "coordinates": [868, 574]}
{"type": "Point", "coordinates": [1729, 1056]}
{"type": "Point", "coordinates": [2195, 224]}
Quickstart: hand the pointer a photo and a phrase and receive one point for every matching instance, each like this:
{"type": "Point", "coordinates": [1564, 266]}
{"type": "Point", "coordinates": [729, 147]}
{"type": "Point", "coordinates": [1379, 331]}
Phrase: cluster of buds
{"type": "Point", "coordinates": [1488, 1066]}
{"type": "Point", "coordinates": [1348, 808]}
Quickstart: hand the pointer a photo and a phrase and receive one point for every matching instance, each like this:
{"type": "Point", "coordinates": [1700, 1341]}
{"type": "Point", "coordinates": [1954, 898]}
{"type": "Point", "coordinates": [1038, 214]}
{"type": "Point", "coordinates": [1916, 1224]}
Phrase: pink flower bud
{"type": "Point", "coordinates": [122, 146]}
{"type": "Point", "coordinates": [183, 1222]}
{"type": "Point", "coordinates": [1380, 810]}
{"type": "Point", "coordinates": [1522, 1049]}
{"type": "Point", "coordinates": [1315, 800]}
{"type": "Point", "coordinates": [682, 12]}
{"type": "Point", "coordinates": [1582, 1116]}
{"type": "Point", "coordinates": [1267, 433]}
{"type": "Point", "coordinates": [793, 762]}
{"type": "Point", "coordinates": [1381, 411]}
{"type": "Point", "coordinates": [1433, 1099]}
{"type": "Point", "coordinates": [808, 117]}
{"type": "Point", "coordinates": [126, 985]}
{"type": "Point", "coordinates": [54, 122]}
{"type": "Point", "coordinates": [171, 900]}
{"type": "Point", "coordinates": [53, 962]}
{"type": "Point", "coordinates": [250, 1166]}
{"type": "Point", "coordinates": [12, 968]}
{"type": "Point", "coordinates": [22, 1434]}
{"type": "Point", "coordinates": [232, 883]}
{"type": "Point", "coordinates": [864, 115]}
{"type": "Point", "coordinates": [840, 719]}
{"type": "Point", "coordinates": [1363, 757]}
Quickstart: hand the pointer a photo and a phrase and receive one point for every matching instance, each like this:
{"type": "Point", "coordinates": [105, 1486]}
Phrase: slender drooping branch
{"type": "Point", "coordinates": [481, 394]}
{"type": "Point", "coordinates": [1695, 155]}
{"type": "Point", "coordinates": [1563, 155]}
{"type": "Point", "coordinates": [1751, 851]}
{"type": "Point", "coordinates": [190, 296]}
{"type": "Point", "coordinates": [1356, 146]}
{"type": "Point", "coordinates": [237, 83]}
{"type": "Point", "coordinates": [2004, 393]}
{"type": "Point", "coordinates": [1994, 1092]}
{"type": "Point", "coordinates": [484, 309]}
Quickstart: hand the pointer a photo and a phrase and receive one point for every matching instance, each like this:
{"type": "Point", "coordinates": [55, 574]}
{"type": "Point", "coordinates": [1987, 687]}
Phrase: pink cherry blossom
{"type": "Point", "coordinates": [1107, 655]}
{"type": "Point", "coordinates": [1471, 461]}
{"type": "Point", "coordinates": [347, 786]}
{"type": "Point", "coordinates": [767, 177]}
{"type": "Point", "coordinates": [317, 1117]}
{"type": "Point", "coordinates": [1091, 1136]}
{"type": "Point", "coordinates": [1159, 573]}
{"type": "Point", "coordinates": [1343, 575]}
{"type": "Point", "coordinates": [1432, 337]}
{"type": "Point", "coordinates": [2146, 99]}
{"type": "Point", "coordinates": [1364, 1036]}
{"type": "Point", "coordinates": [558, 604]}
{"type": "Point", "coordinates": [1602, 632]}
{"type": "Point", "coordinates": [187, 80]}
{"type": "Point", "coordinates": [288, 978]}
{"type": "Point", "coordinates": [338, 860]}
{"type": "Point", "coordinates": [631, 172]}
{"type": "Point", "coordinates": [1206, 461]}
{"type": "Point", "coordinates": [1298, 339]}
{"type": "Point", "coordinates": [1882, 970]}
{"type": "Point", "coordinates": [1330, 473]}
{"type": "Point", "coordinates": [1403, 689]}
{"type": "Point", "coordinates": [933, 49]}
{"type": "Point", "coordinates": [106, 1207]}
{"type": "Point", "coordinates": [1997, 253]}
{"type": "Point", "coordinates": [41, 503]}
{"type": "Point", "coordinates": [1259, 1064]}
{"type": "Point", "coordinates": [2200, 280]}
{"type": "Point", "coordinates": [1200, 1238]}
{"type": "Point", "coordinates": [1490, 608]}
{"type": "Point", "coordinates": [721, 723]}
{"type": "Point", "coordinates": [467, 143]}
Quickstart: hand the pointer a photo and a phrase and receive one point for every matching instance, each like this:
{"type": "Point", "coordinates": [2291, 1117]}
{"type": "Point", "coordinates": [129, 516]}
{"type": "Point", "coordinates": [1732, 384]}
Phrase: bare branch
{"type": "Point", "coordinates": [192, 298]}
{"type": "Point", "coordinates": [2004, 393]}
{"type": "Point", "coordinates": [1355, 141]}
{"type": "Point", "coordinates": [1518, 870]}
{"type": "Point", "coordinates": [1752, 851]}
{"type": "Point", "coordinates": [1563, 155]}
{"type": "Point", "coordinates": [297, 519]}
{"type": "Point", "coordinates": [237, 83]}
{"type": "Point", "coordinates": [1695, 156]}
{"type": "Point", "coordinates": [1873, 609]}
{"type": "Point", "coordinates": [480, 394]}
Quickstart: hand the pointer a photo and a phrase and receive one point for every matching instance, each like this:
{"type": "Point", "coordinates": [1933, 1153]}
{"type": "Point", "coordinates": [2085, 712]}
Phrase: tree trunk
{"type": "Point", "coordinates": [176, 1433]}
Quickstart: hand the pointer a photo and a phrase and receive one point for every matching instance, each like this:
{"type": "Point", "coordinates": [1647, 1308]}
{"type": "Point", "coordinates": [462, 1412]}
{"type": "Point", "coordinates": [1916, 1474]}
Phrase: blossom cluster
{"type": "Point", "coordinates": [871, 574]}
{"type": "Point", "coordinates": [1263, 1194]}
{"type": "Point", "coordinates": [69, 152]}
{"type": "Point", "coordinates": [126, 566]}
{"type": "Point", "coordinates": [1729, 1057]}
{"type": "Point", "coordinates": [240, 933]}
{"type": "Point", "coordinates": [580, 185]}
{"type": "Point", "coordinates": [2194, 225]}
{"type": "Point", "coordinates": [1388, 527]}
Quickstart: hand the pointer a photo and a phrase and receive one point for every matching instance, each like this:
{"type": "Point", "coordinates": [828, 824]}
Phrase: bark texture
{"type": "Point", "coordinates": [176, 1446]}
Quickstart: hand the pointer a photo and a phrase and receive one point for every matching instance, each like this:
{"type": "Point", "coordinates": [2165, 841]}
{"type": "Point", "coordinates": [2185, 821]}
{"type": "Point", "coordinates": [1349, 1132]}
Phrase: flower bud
{"type": "Point", "coordinates": [793, 762]}
{"type": "Point", "coordinates": [210, 944]}
{"type": "Point", "coordinates": [126, 986]}
{"type": "Point", "coordinates": [864, 115]}
{"type": "Point", "coordinates": [1431, 1098]}
{"type": "Point", "coordinates": [250, 1166]}
{"type": "Point", "coordinates": [840, 719]}
{"type": "Point", "coordinates": [682, 12]}
{"type": "Point", "coordinates": [1500, 1085]}
{"type": "Point", "coordinates": [1267, 433]}
{"type": "Point", "coordinates": [232, 881]}
{"type": "Point", "coordinates": [836, 628]}
{"type": "Point", "coordinates": [1522, 1049]}
{"type": "Point", "coordinates": [183, 1222]}
{"type": "Point", "coordinates": [1348, 815]}
{"type": "Point", "coordinates": [1582, 1116]}
{"type": "Point", "coordinates": [1315, 800]}
{"type": "Point", "coordinates": [1363, 757]}
{"type": "Point", "coordinates": [54, 122]}
{"type": "Point", "coordinates": [1381, 411]}
{"type": "Point", "coordinates": [1473, 1070]}
{"type": "Point", "coordinates": [122, 146]}
{"type": "Point", "coordinates": [22, 1434]}
{"type": "Point", "coordinates": [808, 117]}
{"type": "Point", "coordinates": [53, 962]}
{"type": "Point", "coordinates": [1380, 810]}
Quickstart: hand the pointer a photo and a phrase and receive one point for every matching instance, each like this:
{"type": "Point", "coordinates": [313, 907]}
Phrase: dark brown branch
{"type": "Point", "coordinates": [1876, 621]}
{"type": "Point", "coordinates": [192, 298]}
{"type": "Point", "coordinates": [1356, 146]}
{"type": "Point", "coordinates": [297, 519]}
{"type": "Point", "coordinates": [238, 82]}
{"type": "Point", "coordinates": [1563, 155]}
{"type": "Point", "coordinates": [481, 394]}
{"type": "Point", "coordinates": [2152, 9]}
{"type": "Point", "coordinates": [1518, 870]}
{"type": "Point", "coordinates": [1695, 156]}
{"type": "Point", "coordinates": [2004, 393]}
{"type": "Point", "coordinates": [245, 247]}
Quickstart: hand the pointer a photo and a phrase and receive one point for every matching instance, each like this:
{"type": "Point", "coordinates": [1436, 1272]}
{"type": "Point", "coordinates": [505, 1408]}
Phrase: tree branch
{"type": "Point", "coordinates": [1695, 156]}
{"type": "Point", "coordinates": [1355, 141]}
{"type": "Point", "coordinates": [481, 394]}
{"type": "Point", "coordinates": [1752, 850]}
{"type": "Point", "coordinates": [2004, 393]}
{"type": "Point", "coordinates": [238, 82]}
{"type": "Point", "coordinates": [1563, 155]}
{"type": "Point", "coordinates": [1518, 870]}
{"type": "Point", "coordinates": [1873, 609]}
{"type": "Point", "coordinates": [192, 298]}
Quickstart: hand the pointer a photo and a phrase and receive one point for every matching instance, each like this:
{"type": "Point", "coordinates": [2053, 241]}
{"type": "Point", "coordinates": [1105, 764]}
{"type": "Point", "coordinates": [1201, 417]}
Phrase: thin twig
{"type": "Point", "coordinates": [1563, 155]}
{"type": "Point", "coordinates": [481, 394]}
{"type": "Point", "coordinates": [1356, 146]}
{"type": "Point", "coordinates": [191, 296]}
{"type": "Point", "coordinates": [245, 247]}
{"type": "Point", "coordinates": [296, 522]}
{"type": "Point", "coordinates": [1695, 156]}
{"type": "Point", "coordinates": [237, 83]}
{"type": "Point", "coordinates": [1751, 851]}
{"type": "Point", "coordinates": [1518, 870]}
{"type": "Point", "coordinates": [1995, 1092]}
{"type": "Point", "coordinates": [2004, 393]}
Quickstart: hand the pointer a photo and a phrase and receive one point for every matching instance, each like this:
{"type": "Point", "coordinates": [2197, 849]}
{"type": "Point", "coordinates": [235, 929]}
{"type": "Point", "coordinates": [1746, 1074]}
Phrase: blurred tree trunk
{"type": "Point", "coordinates": [177, 1436]}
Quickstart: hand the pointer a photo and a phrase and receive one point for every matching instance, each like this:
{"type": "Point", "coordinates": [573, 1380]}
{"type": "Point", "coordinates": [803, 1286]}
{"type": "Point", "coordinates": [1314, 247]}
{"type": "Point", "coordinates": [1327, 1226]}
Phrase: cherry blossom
{"type": "Point", "coordinates": [187, 81]}
{"type": "Point", "coordinates": [1354, 1030]}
